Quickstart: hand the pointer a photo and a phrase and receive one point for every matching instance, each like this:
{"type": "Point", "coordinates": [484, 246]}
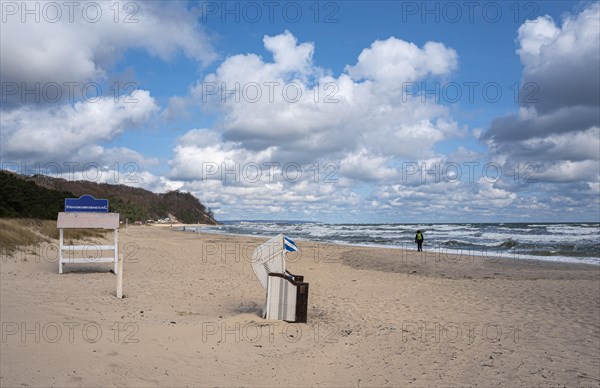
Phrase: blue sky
{"type": "Point", "coordinates": [407, 112]}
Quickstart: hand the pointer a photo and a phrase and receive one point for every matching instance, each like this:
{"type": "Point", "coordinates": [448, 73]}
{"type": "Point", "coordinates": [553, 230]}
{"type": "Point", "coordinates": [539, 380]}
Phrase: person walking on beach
{"type": "Point", "coordinates": [419, 240]}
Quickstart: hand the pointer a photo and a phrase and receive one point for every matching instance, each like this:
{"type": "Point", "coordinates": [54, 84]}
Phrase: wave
{"type": "Point", "coordinates": [508, 244]}
{"type": "Point", "coordinates": [568, 242]}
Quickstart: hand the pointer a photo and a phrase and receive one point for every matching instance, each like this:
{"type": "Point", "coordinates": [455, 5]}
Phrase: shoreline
{"type": "Point", "coordinates": [381, 317]}
{"type": "Point", "coordinates": [490, 255]}
{"type": "Point", "coordinates": [175, 225]}
{"type": "Point", "coordinates": [428, 263]}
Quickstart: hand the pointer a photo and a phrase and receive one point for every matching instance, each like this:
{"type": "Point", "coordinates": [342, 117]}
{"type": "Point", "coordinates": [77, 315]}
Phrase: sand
{"type": "Point", "coordinates": [377, 317]}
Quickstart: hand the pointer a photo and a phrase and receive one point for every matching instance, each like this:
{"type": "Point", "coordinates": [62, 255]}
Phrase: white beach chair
{"type": "Point", "coordinates": [287, 294]}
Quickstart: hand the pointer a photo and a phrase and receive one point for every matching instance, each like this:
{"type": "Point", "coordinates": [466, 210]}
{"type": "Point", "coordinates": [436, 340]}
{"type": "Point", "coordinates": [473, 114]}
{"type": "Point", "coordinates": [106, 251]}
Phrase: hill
{"type": "Point", "coordinates": [41, 196]}
{"type": "Point", "coordinates": [21, 198]}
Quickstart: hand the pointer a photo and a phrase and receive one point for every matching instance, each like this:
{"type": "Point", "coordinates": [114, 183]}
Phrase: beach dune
{"type": "Point", "coordinates": [377, 317]}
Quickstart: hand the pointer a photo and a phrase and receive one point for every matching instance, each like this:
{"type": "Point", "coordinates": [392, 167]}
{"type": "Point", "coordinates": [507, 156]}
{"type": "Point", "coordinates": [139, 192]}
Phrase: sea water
{"type": "Point", "coordinates": [564, 242]}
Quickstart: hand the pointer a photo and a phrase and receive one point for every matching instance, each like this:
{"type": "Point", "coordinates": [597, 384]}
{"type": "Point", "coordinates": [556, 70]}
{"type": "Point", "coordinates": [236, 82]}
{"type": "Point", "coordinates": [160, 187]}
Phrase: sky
{"type": "Point", "coordinates": [339, 112]}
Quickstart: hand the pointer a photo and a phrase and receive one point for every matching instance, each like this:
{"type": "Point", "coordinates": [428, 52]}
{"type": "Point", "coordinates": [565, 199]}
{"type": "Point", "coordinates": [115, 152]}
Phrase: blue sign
{"type": "Point", "coordinates": [86, 203]}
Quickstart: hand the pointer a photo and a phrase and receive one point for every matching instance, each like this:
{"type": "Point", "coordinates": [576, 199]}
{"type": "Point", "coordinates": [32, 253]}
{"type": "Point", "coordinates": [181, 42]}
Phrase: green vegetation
{"type": "Point", "coordinates": [29, 206]}
{"type": "Point", "coordinates": [42, 197]}
{"type": "Point", "coordinates": [21, 232]}
{"type": "Point", "coordinates": [186, 207]}
{"type": "Point", "coordinates": [22, 198]}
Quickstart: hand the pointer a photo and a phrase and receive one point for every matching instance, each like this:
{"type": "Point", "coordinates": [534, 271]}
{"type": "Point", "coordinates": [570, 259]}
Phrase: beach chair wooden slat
{"type": "Point", "coordinates": [84, 260]}
{"type": "Point", "coordinates": [87, 247]}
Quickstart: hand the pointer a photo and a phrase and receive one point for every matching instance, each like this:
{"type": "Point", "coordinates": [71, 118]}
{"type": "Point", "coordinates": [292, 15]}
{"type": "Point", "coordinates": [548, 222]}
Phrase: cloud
{"type": "Point", "coordinates": [570, 171]}
{"type": "Point", "coordinates": [360, 139]}
{"type": "Point", "coordinates": [201, 155]}
{"type": "Point", "coordinates": [557, 128]}
{"type": "Point", "coordinates": [82, 49]}
{"type": "Point", "coordinates": [562, 61]}
{"type": "Point", "coordinates": [303, 113]}
{"type": "Point", "coordinates": [444, 200]}
{"type": "Point", "coordinates": [393, 61]}
{"type": "Point", "coordinates": [316, 145]}
{"type": "Point", "coordinates": [364, 167]}
{"type": "Point", "coordinates": [70, 131]}
{"type": "Point", "coordinates": [288, 55]}
{"type": "Point", "coordinates": [574, 146]}
{"type": "Point", "coordinates": [568, 119]}
{"type": "Point", "coordinates": [152, 182]}
{"type": "Point", "coordinates": [76, 136]}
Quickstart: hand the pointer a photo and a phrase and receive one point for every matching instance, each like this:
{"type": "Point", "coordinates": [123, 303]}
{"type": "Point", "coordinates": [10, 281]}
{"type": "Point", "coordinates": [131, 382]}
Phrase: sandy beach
{"type": "Point", "coordinates": [377, 318]}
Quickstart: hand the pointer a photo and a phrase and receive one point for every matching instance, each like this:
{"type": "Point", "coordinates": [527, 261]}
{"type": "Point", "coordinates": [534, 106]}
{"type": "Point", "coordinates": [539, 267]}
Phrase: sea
{"type": "Point", "coordinates": [562, 242]}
